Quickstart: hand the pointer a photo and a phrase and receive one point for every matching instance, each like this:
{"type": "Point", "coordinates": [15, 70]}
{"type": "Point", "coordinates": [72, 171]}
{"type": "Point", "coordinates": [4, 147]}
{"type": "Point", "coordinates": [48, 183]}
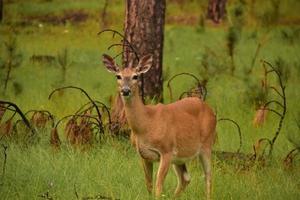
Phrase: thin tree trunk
{"type": "Point", "coordinates": [216, 10]}
{"type": "Point", "coordinates": [104, 15]}
{"type": "Point", "coordinates": [1, 10]}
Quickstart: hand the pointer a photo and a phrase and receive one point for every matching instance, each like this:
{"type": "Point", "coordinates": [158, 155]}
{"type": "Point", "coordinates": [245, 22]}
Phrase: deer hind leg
{"type": "Point", "coordinates": [182, 176]}
{"type": "Point", "coordinates": [164, 164]}
{"type": "Point", "coordinates": [148, 170]}
{"type": "Point", "coordinates": [206, 164]}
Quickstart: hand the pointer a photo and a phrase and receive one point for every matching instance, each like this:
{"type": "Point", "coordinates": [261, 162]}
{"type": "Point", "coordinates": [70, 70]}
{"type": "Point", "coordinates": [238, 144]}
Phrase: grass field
{"type": "Point", "coordinates": [110, 167]}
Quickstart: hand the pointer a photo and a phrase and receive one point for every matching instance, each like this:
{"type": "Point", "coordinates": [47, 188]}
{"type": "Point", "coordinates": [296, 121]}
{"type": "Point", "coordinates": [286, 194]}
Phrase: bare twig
{"type": "Point", "coordinates": [273, 101]}
{"type": "Point", "coordinates": [180, 74]}
{"type": "Point", "coordinates": [17, 109]}
{"type": "Point", "coordinates": [273, 88]}
{"type": "Point", "coordinates": [49, 115]}
{"type": "Point", "coordinates": [75, 192]}
{"type": "Point", "coordinates": [75, 116]}
{"type": "Point", "coordinates": [4, 161]}
{"type": "Point", "coordinates": [86, 94]}
{"type": "Point", "coordinates": [283, 96]}
{"type": "Point", "coordinates": [288, 160]}
{"type": "Point", "coordinates": [239, 131]}
{"type": "Point", "coordinates": [104, 13]}
{"type": "Point", "coordinates": [274, 111]}
{"type": "Point", "coordinates": [127, 43]}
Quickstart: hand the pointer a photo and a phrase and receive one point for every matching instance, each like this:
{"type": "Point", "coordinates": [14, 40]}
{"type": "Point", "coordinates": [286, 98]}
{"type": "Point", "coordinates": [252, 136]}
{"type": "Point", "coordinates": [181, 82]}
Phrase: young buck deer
{"type": "Point", "coordinates": [170, 134]}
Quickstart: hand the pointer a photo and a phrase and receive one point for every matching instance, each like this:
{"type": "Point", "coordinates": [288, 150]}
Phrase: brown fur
{"type": "Point", "coordinates": [170, 134]}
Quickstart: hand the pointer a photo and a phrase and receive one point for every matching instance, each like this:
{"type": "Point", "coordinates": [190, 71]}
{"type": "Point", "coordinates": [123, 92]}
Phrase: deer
{"type": "Point", "coordinates": [170, 134]}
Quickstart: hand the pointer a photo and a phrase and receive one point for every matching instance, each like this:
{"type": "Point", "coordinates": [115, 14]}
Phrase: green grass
{"type": "Point", "coordinates": [111, 167]}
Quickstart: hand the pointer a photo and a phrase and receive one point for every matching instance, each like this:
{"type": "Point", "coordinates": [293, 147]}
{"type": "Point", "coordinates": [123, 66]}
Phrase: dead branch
{"type": "Point", "coordinates": [273, 88]}
{"type": "Point", "coordinates": [44, 112]}
{"type": "Point", "coordinates": [180, 74]}
{"type": "Point", "coordinates": [103, 105]}
{"type": "Point", "coordinates": [104, 13]}
{"type": "Point", "coordinates": [288, 160]}
{"type": "Point", "coordinates": [4, 161]}
{"type": "Point", "coordinates": [17, 109]}
{"type": "Point", "coordinates": [283, 96]}
{"type": "Point", "coordinates": [86, 94]}
{"type": "Point", "coordinates": [273, 101]}
{"type": "Point", "coordinates": [257, 147]}
{"type": "Point", "coordinates": [274, 111]}
{"type": "Point", "coordinates": [75, 192]}
{"type": "Point", "coordinates": [75, 117]}
{"type": "Point", "coordinates": [127, 43]}
{"type": "Point", "coordinates": [239, 131]}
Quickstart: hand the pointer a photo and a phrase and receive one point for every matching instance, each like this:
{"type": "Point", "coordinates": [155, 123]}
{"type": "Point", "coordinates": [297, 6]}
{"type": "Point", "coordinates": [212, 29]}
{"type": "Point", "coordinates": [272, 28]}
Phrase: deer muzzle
{"type": "Point", "coordinates": [125, 91]}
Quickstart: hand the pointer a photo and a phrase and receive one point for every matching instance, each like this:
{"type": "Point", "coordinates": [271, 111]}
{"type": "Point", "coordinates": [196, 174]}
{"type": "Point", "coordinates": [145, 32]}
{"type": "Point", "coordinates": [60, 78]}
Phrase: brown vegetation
{"type": "Point", "coordinates": [260, 116]}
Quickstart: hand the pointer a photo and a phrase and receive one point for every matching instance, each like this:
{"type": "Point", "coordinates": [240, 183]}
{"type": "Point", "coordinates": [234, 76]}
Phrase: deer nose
{"type": "Point", "coordinates": [125, 91]}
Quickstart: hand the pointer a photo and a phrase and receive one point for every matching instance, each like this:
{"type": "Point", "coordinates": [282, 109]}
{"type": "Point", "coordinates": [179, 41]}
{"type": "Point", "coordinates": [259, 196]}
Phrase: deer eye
{"type": "Point", "coordinates": [134, 77]}
{"type": "Point", "coordinates": [118, 77]}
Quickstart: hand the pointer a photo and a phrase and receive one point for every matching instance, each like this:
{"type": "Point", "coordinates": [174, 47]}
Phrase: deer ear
{"type": "Point", "coordinates": [145, 64]}
{"type": "Point", "coordinates": [110, 64]}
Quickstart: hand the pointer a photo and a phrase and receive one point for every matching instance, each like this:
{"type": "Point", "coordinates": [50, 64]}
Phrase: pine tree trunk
{"type": "Point", "coordinates": [144, 29]}
{"type": "Point", "coordinates": [1, 10]}
{"type": "Point", "coordinates": [216, 10]}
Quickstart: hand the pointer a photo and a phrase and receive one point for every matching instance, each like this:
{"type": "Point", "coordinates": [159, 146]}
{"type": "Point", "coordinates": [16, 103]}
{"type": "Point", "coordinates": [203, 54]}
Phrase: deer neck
{"type": "Point", "coordinates": [135, 111]}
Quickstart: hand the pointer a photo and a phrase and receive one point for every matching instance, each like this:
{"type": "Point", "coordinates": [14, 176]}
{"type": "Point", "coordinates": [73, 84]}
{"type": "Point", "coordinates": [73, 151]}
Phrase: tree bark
{"type": "Point", "coordinates": [103, 19]}
{"type": "Point", "coordinates": [1, 10]}
{"type": "Point", "coordinates": [216, 10]}
{"type": "Point", "coordinates": [144, 29]}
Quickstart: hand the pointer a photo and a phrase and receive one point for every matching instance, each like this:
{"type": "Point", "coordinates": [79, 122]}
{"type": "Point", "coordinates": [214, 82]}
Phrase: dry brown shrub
{"type": "Point", "coordinates": [79, 134]}
{"type": "Point", "coordinates": [2, 111]}
{"type": "Point", "coordinates": [71, 130]}
{"type": "Point", "coordinates": [39, 119]}
{"type": "Point", "coordinates": [6, 128]}
{"type": "Point", "coordinates": [260, 117]}
{"type": "Point", "coordinates": [54, 138]}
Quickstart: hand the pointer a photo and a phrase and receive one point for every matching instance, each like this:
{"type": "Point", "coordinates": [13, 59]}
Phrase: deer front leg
{"type": "Point", "coordinates": [148, 170]}
{"type": "Point", "coordinates": [164, 164]}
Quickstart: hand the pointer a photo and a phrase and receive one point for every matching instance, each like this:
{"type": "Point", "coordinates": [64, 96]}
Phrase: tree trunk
{"type": "Point", "coordinates": [216, 10]}
{"type": "Point", "coordinates": [103, 19]}
{"type": "Point", "coordinates": [1, 10]}
{"type": "Point", "coordinates": [144, 29]}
